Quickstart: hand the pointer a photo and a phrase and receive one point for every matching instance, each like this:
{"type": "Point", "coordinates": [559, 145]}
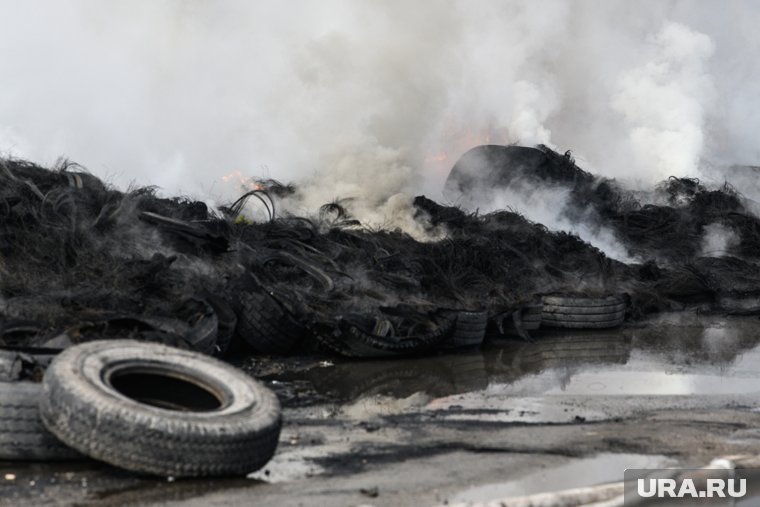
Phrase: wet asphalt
{"type": "Point", "coordinates": [513, 418]}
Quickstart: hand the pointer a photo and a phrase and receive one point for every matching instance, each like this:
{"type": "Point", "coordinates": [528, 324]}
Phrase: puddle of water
{"type": "Point", "coordinates": [636, 378]}
{"type": "Point", "coordinates": [600, 469]}
{"type": "Point", "coordinates": [674, 354]}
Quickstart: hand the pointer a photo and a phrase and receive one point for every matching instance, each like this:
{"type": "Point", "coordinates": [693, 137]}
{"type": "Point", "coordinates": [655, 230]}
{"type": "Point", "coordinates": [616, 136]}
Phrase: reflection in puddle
{"type": "Point", "coordinates": [599, 469]}
{"type": "Point", "coordinates": [508, 381]}
{"type": "Point", "coordinates": [672, 355]}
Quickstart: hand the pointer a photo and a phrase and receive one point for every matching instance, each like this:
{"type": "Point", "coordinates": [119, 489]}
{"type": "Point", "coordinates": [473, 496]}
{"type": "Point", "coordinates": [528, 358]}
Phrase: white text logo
{"type": "Point", "coordinates": [670, 488]}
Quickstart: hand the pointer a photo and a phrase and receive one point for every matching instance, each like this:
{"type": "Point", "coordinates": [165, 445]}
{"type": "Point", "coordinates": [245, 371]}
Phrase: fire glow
{"type": "Point", "coordinates": [245, 182]}
{"type": "Point", "coordinates": [454, 141]}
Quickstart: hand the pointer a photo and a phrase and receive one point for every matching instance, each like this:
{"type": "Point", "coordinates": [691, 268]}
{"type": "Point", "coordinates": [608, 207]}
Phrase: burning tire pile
{"type": "Point", "coordinates": [84, 267]}
{"type": "Point", "coordinates": [82, 261]}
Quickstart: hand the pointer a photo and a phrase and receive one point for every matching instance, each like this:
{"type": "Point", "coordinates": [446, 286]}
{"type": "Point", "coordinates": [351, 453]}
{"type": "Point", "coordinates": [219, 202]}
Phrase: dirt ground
{"type": "Point", "coordinates": [514, 418]}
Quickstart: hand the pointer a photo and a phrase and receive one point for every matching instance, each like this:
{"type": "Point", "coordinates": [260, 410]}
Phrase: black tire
{"type": "Point", "coordinates": [573, 301]}
{"type": "Point", "coordinates": [266, 325]}
{"type": "Point", "coordinates": [533, 309]}
{"type": "Point", "coordinates": [583, 312]}
{"type": "Point", "coordinates": [203, 334]}
{"type": "Point", "coordinates": [583, 317]}
{"type": "Point", "coordinates": [154, 409]}
{"type": "Point", "coordinates": [352, 341]}
{"type": "Point", "coordinates": [469, 330]}
{"type": "Point", "coordinates": [10, 366]}
{"type": "Point", "coordinates": [22, 435]}
{"type": "Point", "coordinates": [227, 322]}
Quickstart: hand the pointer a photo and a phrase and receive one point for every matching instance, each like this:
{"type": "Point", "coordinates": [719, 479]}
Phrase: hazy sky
{"type": "Point", "coordinates": [371, 98]}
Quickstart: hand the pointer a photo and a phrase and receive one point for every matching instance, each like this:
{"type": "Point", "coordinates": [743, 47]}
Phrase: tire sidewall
{"type": "Point", "coordinates": [80, 407]}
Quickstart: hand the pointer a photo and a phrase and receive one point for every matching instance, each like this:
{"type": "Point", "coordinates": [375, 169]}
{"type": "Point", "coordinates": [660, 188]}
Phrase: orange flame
{"type": "Point", "coordinates": [440, 157]}
{"type": "Point", "coordinates": [455, 141]}
{"type": "Point", "coordinates": [245, 182]}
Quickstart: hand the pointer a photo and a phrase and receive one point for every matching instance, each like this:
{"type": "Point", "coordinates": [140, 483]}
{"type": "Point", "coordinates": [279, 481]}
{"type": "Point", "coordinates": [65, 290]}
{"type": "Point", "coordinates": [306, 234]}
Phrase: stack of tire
{"type": "Point", "coordinates": [583, 312]}
{"type": "Point", "coordinates": [469, 330]}
{"type": "Point", "coordinates": [143, 407]}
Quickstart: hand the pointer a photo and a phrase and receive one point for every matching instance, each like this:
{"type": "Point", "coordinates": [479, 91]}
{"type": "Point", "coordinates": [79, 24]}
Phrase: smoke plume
{"type": "Point", "coordinates": [374, 99]}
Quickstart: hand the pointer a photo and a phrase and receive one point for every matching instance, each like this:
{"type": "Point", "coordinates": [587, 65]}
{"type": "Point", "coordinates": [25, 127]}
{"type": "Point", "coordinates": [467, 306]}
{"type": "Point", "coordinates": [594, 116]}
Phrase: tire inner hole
{"type": "Point", "coordinates": [165, 391]}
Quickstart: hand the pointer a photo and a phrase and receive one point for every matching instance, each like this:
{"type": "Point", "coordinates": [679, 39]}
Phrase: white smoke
{"type": "Point", "coordinates": [665, 100]}
{"type": "Point", "coordinates": [718, 240]}
{"type": "Point", "coordinates": [371, 99]}
{"type": "Point", "coordinates": [546, 204]}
